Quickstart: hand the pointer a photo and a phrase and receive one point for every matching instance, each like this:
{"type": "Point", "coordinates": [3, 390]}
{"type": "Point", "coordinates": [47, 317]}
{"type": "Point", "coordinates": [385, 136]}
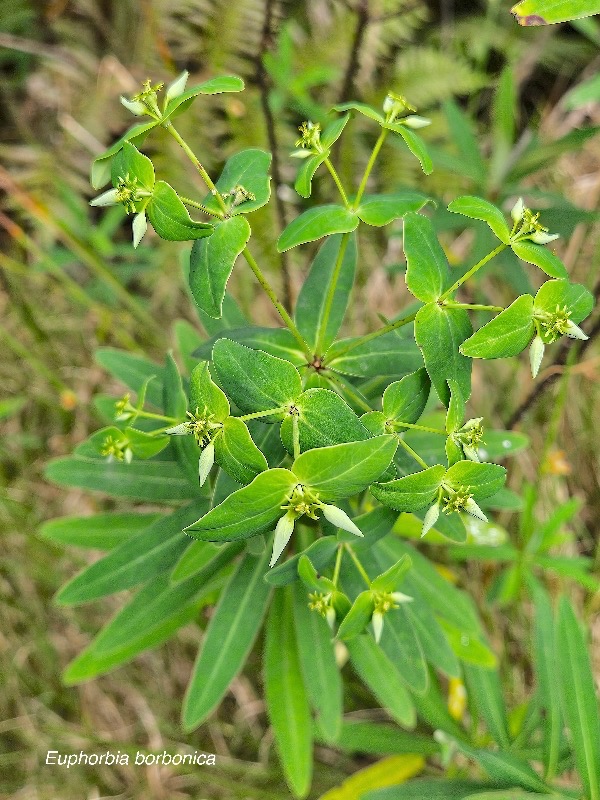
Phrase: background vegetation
{"type": "Point", "coordinates": [70, 281]}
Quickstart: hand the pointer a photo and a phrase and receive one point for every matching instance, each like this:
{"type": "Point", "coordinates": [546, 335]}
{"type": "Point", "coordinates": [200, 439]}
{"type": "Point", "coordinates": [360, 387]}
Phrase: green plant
{"type": "Point", "coordinates": [295, 438]}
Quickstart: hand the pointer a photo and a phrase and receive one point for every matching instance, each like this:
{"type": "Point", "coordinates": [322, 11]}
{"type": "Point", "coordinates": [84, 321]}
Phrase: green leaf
{"type": "Point", "coordinates": [358, 617]}
{"type": "Point", "coordinates": [507, 768]}
{"type": "Point", "coordinates": [152, 617]}
{"type": "Point", "coordinates": [578, 694]}
{"type": "Point", "coordinates": [277, 342]}
{"type": "Point", "coordinates": [439, 332]}
{"type": "Point", "coordinates": [133, 371]}
{"type": "Point", "coordinates": [500, 444]}
{"type": "Point", "coordinates": [468, 648]}
{"type": "Point", "coordinates": [251, 510]}
{"type": "Point", "coordinates": [483, 480]}
{"type": "Point", "coordinates": [228, 640]}
{"type": "Point", "coordinates": [378, 672]}
{"type": "Point", "coordinates": [428, 788]}
{"type": "Point", "coordinates": [434, 644]}
{"type": "Point", "coordinates": [140, 558]}
{"type": "Point", "coordinates": [549, 12]}
{"type": "Point", "coordinates": [287, 702]}
{"type": "Point", "coordinates": [310, 306]}
{"type": "Point", "coordinates": [411, 492]}
{"type": "Point", "coordinates": [307, 171]}
{"type": "Point", "coordinates": [517, 794]}
{"type": "Point", "coordinates": [205, 394]}
{"type": "Point", "coordinates": [333, 131]}
{"type": "Point", "coordinates": [484, 691]}
{"type": "Point", "coordinates": [99, 531]}
{"type": "Point", "coordinates": [344, 470]}
{"type": "Point", "coordinates": [363, 109]}
{"type": "Point", "coordinates": [477, 208]}
{"type": "Point", "coordinates": [372, 737]}
{"type": "Point", "coordinates": [506, 335]}
{"type": "Point", "coordinates": [212, 260]}
{"type": "Point", "coordinates": [545, 259]}
{"type": "Point", "coordinates": [236, 453]}
{"type": "Point", "coordinates": [390, 354]}
{"type": "Point", "coordinates": [574, 296]}
{"type": "Point", "coordinates": [400, 643]}
{"type": "Point", "coordinates": [129, 161]}
{"type": "Point", "coordinates": [324, 419]}
{"type": "Point", "coordinates": [316, 223]}
{"type": "Point", "coordinates": [170, 218]}
{"type": "Point", "coordinates": [319, 668]}
{"type": "Point", "coordinates": [223, 83]}
{"type": "Point", "coordinates": [405, 400]}
{"type": "Point", "coordinates": [249, 169]}
{"type": "Point", "coordinates": [381, 209]}
{"type": "Point", "coordinates": [154, 481]}
{"type": "Point", "coordinates": [426, 263]}
{"type": "Point", "coordinates": [101, 166]}
{"type": "Point", "coordinates": [320, 554]}
{"type": "Point", "coordinates": [255, 380]}
{"type": "Point", "coordinates": [202, 560]}
{"type": "Point", "coordinates": [416, 145]}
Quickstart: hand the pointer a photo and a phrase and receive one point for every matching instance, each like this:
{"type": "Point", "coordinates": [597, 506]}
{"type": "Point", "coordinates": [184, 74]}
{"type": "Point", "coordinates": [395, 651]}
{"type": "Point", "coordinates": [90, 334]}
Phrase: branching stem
{"type": "Point", "coordinates": [358, 565]}
{"type": "Point", "coordinates": [472, 272]}
{"type": "Point", "coordinates": [331, 293]}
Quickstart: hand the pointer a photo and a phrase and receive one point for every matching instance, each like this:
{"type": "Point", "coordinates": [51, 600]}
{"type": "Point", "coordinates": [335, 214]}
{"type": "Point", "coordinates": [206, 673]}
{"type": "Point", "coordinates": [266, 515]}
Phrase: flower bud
{"type": "Point", "coordinates": [177, 87]}
{"type": "Point", "coordinates": [517, 210]}
{"type": "Point", "coordinates": [541, 237]}
{"type": "Point", "coordinates": [109, 198]}
{"type": "Point", "coordinates": [473, 509]}
{"type": "Point", "coordinates": [140, 226]}
{"type": "Point", "coordinates": [205, 463]}
{"type": "Point", "coordinates": [283, 533]}
{"type": "Point", "coordinates": [377, 621]}
{"type": "Point", "coordinates": [340, 519]}
{"type": "Point", "coordinates": [575, 332]}
{"type": "Point", "coordinates": [135, 106]}
{"type": "Point", "coordinates": [536, 354]}
{"type": "Point", "coordinates": [431, 517]}
{"type": "Point", "coordinates": [415, 122]}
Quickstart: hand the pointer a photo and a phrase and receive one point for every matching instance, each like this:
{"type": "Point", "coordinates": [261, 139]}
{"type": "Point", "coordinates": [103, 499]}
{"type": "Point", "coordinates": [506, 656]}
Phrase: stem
{"type": "Point", "coordinates": [369, 167]}
{"type": "Point", "coordinates": [338, 564]}
{"type": "Point", "coordinates": [411, 452]}
{"type": "Point", "coordinates": [331, 292]}
{"type": "Point", "coordinates": [392, 326]}
{"type": "Point", "coordinates": [358, 565]}
{"type": "Point", "coordinates": [474, 306]}
{"type": "Point", "coordinates": [344, 386]}
{"type": "Point", "coordinates": [338, 182]}
{"type": "Point", "coordinates": [296, 436]}
{"type": "Point", "coordinates": [258, 414]}
{"type": "Point", "coordinates": [472, 272]}
{"type": "Point", "coordinates": [192, 157]}
{"type": "Point", "coordinates": [159, 417]}
{"type": "Point", "coordinates": [194, 204]}
{"type": "Point", "coordinates": [273, 298]}
{"type": "Point", "coordinates": [420, 428]}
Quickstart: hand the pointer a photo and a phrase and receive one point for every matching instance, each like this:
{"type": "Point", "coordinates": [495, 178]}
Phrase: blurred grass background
{"type": "Point", "coordinates": [70, 281]}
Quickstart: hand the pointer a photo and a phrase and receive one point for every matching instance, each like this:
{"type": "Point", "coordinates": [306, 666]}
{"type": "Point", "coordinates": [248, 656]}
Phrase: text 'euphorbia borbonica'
{"type": "Point", "coordinates": [296, 439]}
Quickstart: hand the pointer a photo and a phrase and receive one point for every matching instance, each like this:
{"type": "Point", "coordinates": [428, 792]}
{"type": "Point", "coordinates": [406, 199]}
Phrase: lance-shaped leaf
{"type": "Point", "coordinates": [236, 453]}
{"type": "Point", "coordinates": [415, 144]}
{"type": "Point", "coordinates": [228, 639]}
{"type": "Point", "coordinates": [483, 480]}
{"type": "Point", "coordinates": [484, 689]}
{"type": "Point", "coordinates": [359, 616]}
{"type": "Point", "coordinates": [316, 223]}
{"type": "Point", "coordinates": [506, 335]}
{"type": "Point", "coordinates": [310, 306]}
{"type": "Point", "coordinates": [471, 649]}
{"type": "Point", "coordinates": [287, 701]}
{"type": "Point", "coordinates": [435, 646]}
{"type": "Point", "coordinates": [324, 419]}
{"type": "Point", "coordinates": [306, 173]}
{"type": "Point", "coordinates": [205, 394]}
{"type": "Point", "coordinates": [390, 354]}
{"type": "Point", "coordinates": [578, 694]}
{"type": "Point", "coordinates": [247, 169]}
{"type": "Point", "coordinates": [381, 209]}
{"type": "Point", "coordinates": [251, 510]}
{"type": "Point", "coordinates": [101, 166]}
{"type": "Point", "coordinates": [506, 768]}
{"type": "Point", "coordinates": [170, 218]}
{"type": "Point", "coordinates": [411, 492]}
{"type": "Point", "coordinates": [344, 469]}
{"type": "Point", "coordinates": [318, 665]}
{"type": "Point", "coordinates": [477, 208]}
{"type": "Point", "coordinates": [545, 259]}
{"type": "Point", "coordinates": [211, 262]}
{"type": "Point", "coordinates": [405, 400]}
{"type": "Point", "coordinates": [99, 531]}
{"type": "Point", "coordinates": [574, 296]}
{"type": "Point", "coordinates": [130, 162]}
{"type": "Point", "coordinates": [334, 130]}
{"type": "Point", "coordinates": [363, 109]}
{"type": "Point", "coordinates": [255, 380]}
{"type": "Point", "coordinates": [439, 332]}
{"type": "Point", "coordinates": [549, 12]}
{"type": "Point", "coordinates": [223, 83]}
{"type": "Point", "coordinates": [427, 272]}
{"type": "Point", "coordinates": [401, 644]}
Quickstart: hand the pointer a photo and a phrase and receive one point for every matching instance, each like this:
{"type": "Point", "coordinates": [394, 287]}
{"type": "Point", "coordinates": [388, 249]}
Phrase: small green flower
{"type": "Point", "coordinates": [527, 225]}
{"type": "Point", "coordinates": [323, 604]}
{"type": "Point", "coordinates": [559, 324]}
{"type": "Point", "coordinates": [202, 426]}
{"type": "Point", "coordinates": [146, 101]}
{"type": "Point", "coordinates": [116, 449]}
{"type": "Point", "coordinates": [310, 136]}
{"type": "Point", "coordinates": [469, 437]}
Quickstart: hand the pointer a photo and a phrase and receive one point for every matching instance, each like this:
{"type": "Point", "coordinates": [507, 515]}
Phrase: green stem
{"type": "Point", "coordinates": [203, 173]}
{"type": "Point", "coordinates": [472, 272]}
{"type": "Point", "coordinates": [392, 326]}
{"type": "Point", "coordinates": [159, 417]}
{"type": "Point", "coordinates": [258, 414]}
{"type": "Point", "coordinates": [194, 204]}
{"type": "Point", "coordinates": [331, 293]}
{"type": "Point", "coordinates": [420, 428]}
{"type": "Point", "coordinates": [338, 182]}
{"type": "Point", "coordinates": [273, 298]}
{"type": "Point", "coordinates": [296, 436]}
{"type": "Point", "coordinates": [336, 380]}
{"type": "Point", "coordinates": [338, 564]}
{"type": "Point", "coordinates": [358, 565]}
{"type": "Point", "coordinates": [411, 452]}
{"type": "Point", "coordinates": [369, 167]}
{"type": "Point", "coordinates": [474, 306]}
